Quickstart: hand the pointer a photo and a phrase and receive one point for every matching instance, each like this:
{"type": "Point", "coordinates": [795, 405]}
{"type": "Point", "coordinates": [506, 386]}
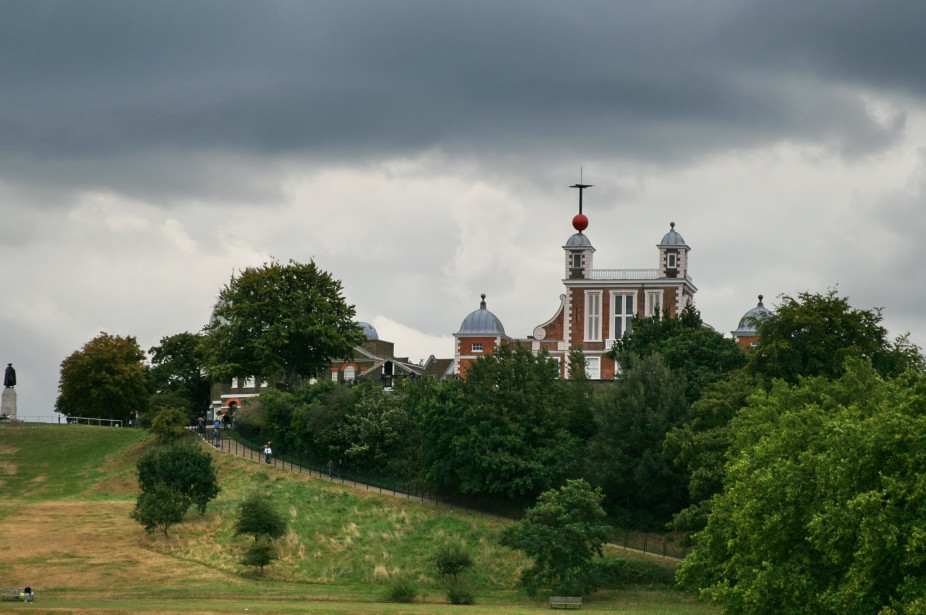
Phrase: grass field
{"type": "Point", "coordinates": [66, 492]}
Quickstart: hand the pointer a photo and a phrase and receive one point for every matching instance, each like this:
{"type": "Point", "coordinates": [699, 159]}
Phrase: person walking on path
{"type": "Point", "coordinates": [330, 468]}
{"type": "Point", "coordinates": [217, 428]}
{"type": "Point", "coordinates": [267, 452]}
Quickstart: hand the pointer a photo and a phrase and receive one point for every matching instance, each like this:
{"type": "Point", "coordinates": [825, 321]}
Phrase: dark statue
{"type": "Point", "coordinates": [9, 379]}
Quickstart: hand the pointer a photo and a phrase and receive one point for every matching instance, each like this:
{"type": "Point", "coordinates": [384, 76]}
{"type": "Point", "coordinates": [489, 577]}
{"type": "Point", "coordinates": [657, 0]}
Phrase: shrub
{"type": "Point", "coordinates": [260, 553]}
{"type": "Point", "coordinates": [615, 573]}
{"type": "Point", "coordinates": [401, 589]}
{"type": "Point", "coordinates": [160, 508]}
{"type": "Point", "coordinates": [258, 517]}
{"type": "Point", "coordinates": [169, 425]}
{"type": "Point", "coordinates": [451, 559]}
{"type": "Point", "coordinates": [188, 469]}
{"type": "Point", "coordinates": [459, 591]}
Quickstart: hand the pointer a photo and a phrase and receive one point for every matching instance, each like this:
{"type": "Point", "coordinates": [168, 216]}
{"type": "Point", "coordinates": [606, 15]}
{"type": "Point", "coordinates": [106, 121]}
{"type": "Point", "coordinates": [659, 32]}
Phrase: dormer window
{"type": "Point", "coordinates": [577, 260]}
{"type": "Point", "coordinates": [672, 261]}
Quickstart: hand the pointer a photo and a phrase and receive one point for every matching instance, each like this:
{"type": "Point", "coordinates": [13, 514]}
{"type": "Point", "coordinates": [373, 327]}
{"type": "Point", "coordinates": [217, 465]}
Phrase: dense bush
{"type": "Point", "coordinates": [451, 559]}
{"type": "Point", "coordinates": [401, 589]}
{"type": "Point", "coordinates": [616, 573]}
{"type": "Point", "coordinates": [459, 591]}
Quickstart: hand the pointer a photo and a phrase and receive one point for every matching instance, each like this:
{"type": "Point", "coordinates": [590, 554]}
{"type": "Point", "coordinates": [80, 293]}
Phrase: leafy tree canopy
{"type": "Point", "coordinates": [502, 430]}
{"type": "Point", "coordinates": [626, 456]}
{"type": "Point", "coordinates": [260, 553]}
{"type": "Point", "coordinates": [160, 508]}
{"type": "Point", "coordinates": [279, 321]}
{"type": "Point", "coordinates": [813, 335]}
{"type": "Point", "coordinates": [822, 505]}
{"type": "Point", "coordinates": [177, 366]}
{"type": "Point", "coordinates": [187, 469]}
{"type": "Point", "coordinates": [700, 445]}
{"type": "Point", "coordinates": [104, 379]}
{"type": "Point", "coordinates": [698, 352]}
{"type": "Point", "coordinates": [257, 517]}
{"type": "Point", "coordinates": [169, 425]}
{"type": "Point", "coordinates": [561, 533]}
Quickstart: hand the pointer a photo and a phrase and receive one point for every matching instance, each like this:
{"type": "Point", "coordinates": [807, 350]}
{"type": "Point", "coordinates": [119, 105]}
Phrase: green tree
{"type": "Point", "coordinates": [502, 430]}
{"type": "Point", "coordinates": [177, 367]}
{"type": "Point", "coordinates": [169, 425]}
{"type": "Point", "coordinates": [160, 508]}
{"type": "Point", "coordinates": [375, 430]}
{"type": "Point", "coordinates": [626, 456]}
{"type": "Point", "coordinates": [561, 534]}
{"type": "Point", "coordinates": [279, 321]}
{"type": "Point", "coordinates": [687, 346]}
{"type": "Point", "coordinates": [257, 517]}
{"type": "Point", "coordinates": [813, 335]}
{"type": "Point", "coordinates": [104, 379]}
{"type": "Point", "coordinates": [261, 552]}
{"type": "Point", "coordinates": [185, 468]}
{"type": "Point", "coordinates": [700, 445]}
{"type": "Point", "coordinates": [821, 510]}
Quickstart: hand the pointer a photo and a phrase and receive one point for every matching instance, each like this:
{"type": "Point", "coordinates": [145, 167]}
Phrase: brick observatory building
{"type": "Point", "coordinates": [597, 307]}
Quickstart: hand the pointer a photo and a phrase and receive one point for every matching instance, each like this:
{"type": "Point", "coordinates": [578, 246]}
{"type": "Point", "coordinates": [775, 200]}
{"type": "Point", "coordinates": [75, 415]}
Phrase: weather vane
{"type": "Point", "coordinates": [580, 222]}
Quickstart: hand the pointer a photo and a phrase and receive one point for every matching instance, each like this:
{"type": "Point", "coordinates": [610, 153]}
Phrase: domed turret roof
{"type": "Point", "coordinates": [672, 239]}
{"type": "Point", "coordinates": [751, 319]}
{"type": "Point", "coordinates": [369, 331]}
{"type": "Point", "coordinates": [579, 240]}
{"type": "Point", "coordinates": [481, 322]}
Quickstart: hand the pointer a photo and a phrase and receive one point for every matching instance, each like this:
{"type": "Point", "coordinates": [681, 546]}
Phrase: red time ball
{"type": "Point", "coordinates": [580, 222]}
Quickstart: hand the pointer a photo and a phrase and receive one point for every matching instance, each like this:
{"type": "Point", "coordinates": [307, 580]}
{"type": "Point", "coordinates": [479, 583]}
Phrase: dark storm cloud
{"type": "Point", "coordinates": [85, 83]}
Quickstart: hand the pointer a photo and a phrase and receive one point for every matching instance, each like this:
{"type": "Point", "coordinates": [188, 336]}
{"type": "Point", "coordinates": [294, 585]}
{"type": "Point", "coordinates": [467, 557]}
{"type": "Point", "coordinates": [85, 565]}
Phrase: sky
{"type": "Point", "coordinates": [422, 153]}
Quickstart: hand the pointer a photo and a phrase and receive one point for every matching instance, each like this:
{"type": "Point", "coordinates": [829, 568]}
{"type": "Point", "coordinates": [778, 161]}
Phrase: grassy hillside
{"type": "Point", "coordinates": [66, 492]}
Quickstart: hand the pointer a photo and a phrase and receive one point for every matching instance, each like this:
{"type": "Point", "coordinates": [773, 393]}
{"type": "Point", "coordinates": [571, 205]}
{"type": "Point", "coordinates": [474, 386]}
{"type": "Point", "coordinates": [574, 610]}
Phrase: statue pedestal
{"type": "Point", "coordinates": [8, 404]}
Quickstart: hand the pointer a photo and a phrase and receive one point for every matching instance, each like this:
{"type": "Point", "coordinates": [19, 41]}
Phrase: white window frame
{"type": "Point", "coordinates": [476, 347]}
{"type": "Point", "coordinates": [559, 365]}
{"type": "Point", "coordinates": [334, 375]}
{"type": "Point", "coordinates": [576, 260]}
{"type": "Point", "coordinates": [654, 303]}
{"type": "Point", "coordinates": [234, 383]}
{"type": "Point", "coordinates": [249, 382]}
{"type": "Point", "coordinates": [593, 368]}
{"type": "Point", "coordinates": [593, 315]}
{"type": "Point", "coordinates": [618, 299]}
{"type": "Point", "coordinates": [672, 260]}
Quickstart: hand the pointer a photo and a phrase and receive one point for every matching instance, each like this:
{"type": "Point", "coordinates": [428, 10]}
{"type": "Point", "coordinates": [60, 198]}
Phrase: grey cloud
{"type": "Point", "coordinates": [86, 83]}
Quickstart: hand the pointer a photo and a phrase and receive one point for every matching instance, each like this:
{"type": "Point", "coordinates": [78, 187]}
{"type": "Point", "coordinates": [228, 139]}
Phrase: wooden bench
{"type": "Point", "coordinates": [565, 602]}
{"type": "Point", "coordinates": [12, 594]}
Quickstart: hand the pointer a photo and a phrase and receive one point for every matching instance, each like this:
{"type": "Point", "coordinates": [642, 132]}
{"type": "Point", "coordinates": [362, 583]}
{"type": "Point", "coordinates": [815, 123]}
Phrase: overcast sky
{"type": "Point", "coordinates": [422, 151]}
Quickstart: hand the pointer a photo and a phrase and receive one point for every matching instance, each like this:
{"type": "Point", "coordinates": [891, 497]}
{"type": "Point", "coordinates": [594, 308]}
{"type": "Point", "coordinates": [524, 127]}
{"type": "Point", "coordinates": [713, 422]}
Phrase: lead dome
{"type": "Point", "coordinates": [481, 322]}
{"type": "Point", "coordinates": [749, 323]}
{"type": "Point", "coordinates": [672, 238]}
{"type": "Point", "coordinates": [369, 331]}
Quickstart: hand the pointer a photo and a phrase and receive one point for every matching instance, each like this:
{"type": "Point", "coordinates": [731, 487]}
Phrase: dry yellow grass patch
{"type": "Point", "coordinates": [8, 468]}
{"type": "Point", "coordinates": [55, 545]}
{"type": "Point", "coordinates": [6, 449]}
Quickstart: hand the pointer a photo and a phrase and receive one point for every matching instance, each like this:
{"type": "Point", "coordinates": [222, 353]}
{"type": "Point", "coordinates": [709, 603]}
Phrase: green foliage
{"type": "Point", "coordinates": [502, 430]}
{"type": "Point", "coordinates": [700, 445]}
{"type": "Point", "coordinates": [697, 352]}
{"type": "Point", "coordinates": [257, 517]}
{"type": "Point", "coordinates": [177, 367]}
{"type": "Point", "coordinates": [261, 552]}
{"type": "Point", "coordinates": [814, 334]}
{"type": "Point", "coordinates": [279, 321]}
{"type": "Point", "coordinates": [104, 379]}
{"type": "Point", "coordinates": [185, 468]}
{"type": "Point", "coordinates": [161, 401]}
{"type": "Point", "coordinates": [452, 558]}
{"type": "Point", "coordinates": [616, 573]}
{"type": "Point", "coordinates": [627, 458]}
{"type": "Point", "coordinates": [402, 589]}
{"type": "Point", "coordinates": [373, 432]}
{"type": "Point", "coordinates": [169, 425]}
{"type": "Point", "coordinates": [561, 533]}
{"type": "Point", "coordinates": [822, 505]}
{"type": "Point", "coordinates": [459, 591]}
{"type": "Point", "coordinates": [160, 508]}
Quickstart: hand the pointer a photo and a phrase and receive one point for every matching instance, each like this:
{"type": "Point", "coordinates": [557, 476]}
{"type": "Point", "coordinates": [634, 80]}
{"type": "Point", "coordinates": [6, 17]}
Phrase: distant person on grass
{"type": "Point", "coordinates": [267, 452]}
{"type": "Point", "coordinates": [28, 595]}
